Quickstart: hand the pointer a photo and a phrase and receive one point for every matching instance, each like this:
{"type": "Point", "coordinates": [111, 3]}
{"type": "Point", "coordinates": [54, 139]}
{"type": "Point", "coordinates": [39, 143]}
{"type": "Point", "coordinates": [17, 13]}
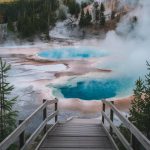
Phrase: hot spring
{"type": "Point", "coordinates": [92, 88]}
{"type": "Point", "coordinates": [69, 53]}
{"type": "Point", "coordinates": [96, 89]}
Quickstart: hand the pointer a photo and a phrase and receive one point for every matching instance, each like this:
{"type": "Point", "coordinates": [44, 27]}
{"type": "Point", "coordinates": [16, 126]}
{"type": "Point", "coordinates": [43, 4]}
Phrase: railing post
{"type": "Point", "coordinates": [134, 142]}
{"type": "Point", "coordinates": [103, 120]}
{"type": "Point", "coordinates": [44, 115]}
{"type": "Point", "coordinates": [21, 137]}
{"type": "Point", "coordinates": [56, 107]}
{"type": "Point", "coordinates": [111, 118]}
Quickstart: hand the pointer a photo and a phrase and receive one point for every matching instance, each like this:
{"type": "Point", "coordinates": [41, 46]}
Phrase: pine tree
{"type": "Point", "coordinates": [102, 16]}
{"type": "Point", "coordinates": [88, 18]}
{"type": "Point", "coordinates": [74, 7]}
{"type": "Point", "coordinates": [7, 114]}
{"type": "Point", "coordinates": [137, 105]}
{"type": "Point", "coordinates": [113, 15]}
{"type": "Point", "coordinates": [102, 8]}
{"type": "Point", "coordinates": [97, 12]}
{"type": "Point", "coordinates": [147, 103]}
{"type": "Point", "coordinates": [140, 106]}
{"type": "Point", "coordinates": [36, 17]}
{"type": "Point", "coordinates": [82, 19]}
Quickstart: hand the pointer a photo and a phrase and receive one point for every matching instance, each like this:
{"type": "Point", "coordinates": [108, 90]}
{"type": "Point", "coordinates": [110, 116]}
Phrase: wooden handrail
{"type": "Point", "coordinates": [21, 128]}
{"type": "Point", "coordinates": [138, 135]}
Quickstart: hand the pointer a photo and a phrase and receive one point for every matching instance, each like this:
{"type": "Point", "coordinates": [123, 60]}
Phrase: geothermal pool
{"type": "Point", "coordinates": [69, 53]}
{"type": "Point", "coordinates": [96, 89]}
{"type": "Point", "coordinates": [88, 89]}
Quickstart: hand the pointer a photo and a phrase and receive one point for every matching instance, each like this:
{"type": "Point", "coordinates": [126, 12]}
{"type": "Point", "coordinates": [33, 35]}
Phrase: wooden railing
{"type": "Point", "coordinates": [19, 132]}
{"type": "Point", "coordinates": [136, 135]}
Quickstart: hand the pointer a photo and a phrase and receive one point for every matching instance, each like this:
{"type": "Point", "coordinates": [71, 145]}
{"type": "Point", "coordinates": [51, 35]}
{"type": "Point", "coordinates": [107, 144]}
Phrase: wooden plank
{"type": "Point", "coordinates": [38, 131]}
{"type": "Point", "coordinates": [141, 138]}
{"type": "Point", "coordinates": [75, 148]}
{"type": "Point", "coordinates": [13, 136]}
{"type": "Point", "coordinates": [76, 144]}
{"type": "Point", "coordinates": [79, 125]}
{"type": "Point", "coordinates": [80, 130]}
{"type": "Point", "coordinates": [70, 138]}
{"type": "Point", "coordinates": [34, 136]}
{"type": "Point", "coordinates": [118, 133]}
{"type": "Point", "coordinates": [78, 134]}
{"type": "Point", "coordinates": [51, 128]}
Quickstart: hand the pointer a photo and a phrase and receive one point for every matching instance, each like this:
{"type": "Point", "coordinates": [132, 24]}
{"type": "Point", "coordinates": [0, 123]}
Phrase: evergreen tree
{"type": "Point", "coordinates": [35, 17]}
{"type": "Point", "coordinates": [102, 16]}
{"type": "Point", "coordinates": [83, 5]}
{"type": "Point", "coordinates": [74, 7]}
{"type": "Point", "coordinates": [137, 105]}
{"type": "Point", "coordinates": [88, 18]}
{"type": "Point", "coordinates": [97, 12]}
{"type": "Point", "coordinates": [82, 19]}
{"type": "Point", "coordinates": [147, 104]}
{"type": "Point", "coordinates": [113, 15]}
{"type": "Point", "coordinates": [140, 106]}
{"type": "Point", "coordinates": [7, 114]}
{"type": "Point", "coordinates": [102, 8]}
{"type": "Point", "coordinates": [62, 13]}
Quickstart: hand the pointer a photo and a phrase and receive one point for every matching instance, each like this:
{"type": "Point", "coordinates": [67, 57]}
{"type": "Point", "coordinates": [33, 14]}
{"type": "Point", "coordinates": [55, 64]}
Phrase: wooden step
{"type": "Point", "coordinates": [77, 135]}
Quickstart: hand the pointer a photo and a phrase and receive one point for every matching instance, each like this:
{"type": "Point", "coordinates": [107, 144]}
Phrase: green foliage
{"type": "Point", "coordinates": [62, 14]}
{"type": "Point", "coordinates": [82, 19]}
{"type": "Point", "coordinates": [99, 13]}
{"type": "Point", "coordinates": [85, 19]}
{"type": "Point", "coordinates": [126, 133]}
{"type": "Point", "coordinates": [83, 5]}
{"type": "Point", "coordinates": [32, 16]}
{"type": "Point", "coordinates": [102, 8]}
{"type": "Point", "coordinates": [74, 7]}
{"type": "Point", "coordinates": [10, 26]}
{"type": "Point", "coordinates": [36, 16]}
{"type": "Point", "coordinates": [137, 104]}
{"type": "Point", "coordinates": [113, 15]}
{"type": "Point", "coordinates": [140, 106]}
{"type": "Point", "coordinates": [88, 18]}
{"type": "Point", "coordinates": [147, 103]}
{"type": "Point", "coordinates": [102, 16]}
{"type": "Point", "coordinates": [10, 10]}
{"type": "Point", "coordinates": [7, 114]}
{"type": "Point", "coordinates": [96, 5]}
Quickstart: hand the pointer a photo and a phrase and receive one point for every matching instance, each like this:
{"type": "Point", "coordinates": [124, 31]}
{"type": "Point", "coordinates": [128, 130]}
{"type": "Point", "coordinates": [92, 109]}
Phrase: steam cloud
{"type": "Point", "coordinates": [133, 48]}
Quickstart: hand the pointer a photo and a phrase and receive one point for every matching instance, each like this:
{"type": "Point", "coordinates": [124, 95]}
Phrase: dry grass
{"type": "Point", "coordinates": [6, 1]}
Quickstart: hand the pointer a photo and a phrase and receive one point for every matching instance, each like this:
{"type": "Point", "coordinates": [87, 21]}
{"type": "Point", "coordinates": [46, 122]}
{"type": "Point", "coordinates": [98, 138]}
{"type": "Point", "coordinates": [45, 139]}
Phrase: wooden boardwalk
{"type": "Point", "coordinates": [78, 134]}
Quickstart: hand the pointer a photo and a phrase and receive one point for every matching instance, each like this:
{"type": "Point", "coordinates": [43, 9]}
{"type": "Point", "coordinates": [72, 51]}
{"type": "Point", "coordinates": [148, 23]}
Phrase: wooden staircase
{"type": "Point", "coordinates": [77, 134]}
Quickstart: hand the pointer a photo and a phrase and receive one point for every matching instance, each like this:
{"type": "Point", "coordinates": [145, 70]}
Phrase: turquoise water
{"type": "Point", "coordinates": [98, 89]}
{"type": "Point", "coordinates": [72, 53]}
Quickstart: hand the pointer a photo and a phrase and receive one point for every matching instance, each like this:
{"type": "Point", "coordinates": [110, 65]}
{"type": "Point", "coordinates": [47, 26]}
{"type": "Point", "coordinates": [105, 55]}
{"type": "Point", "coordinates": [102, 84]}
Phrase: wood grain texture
{"type": "Point", "coordinates": [76, 136]}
